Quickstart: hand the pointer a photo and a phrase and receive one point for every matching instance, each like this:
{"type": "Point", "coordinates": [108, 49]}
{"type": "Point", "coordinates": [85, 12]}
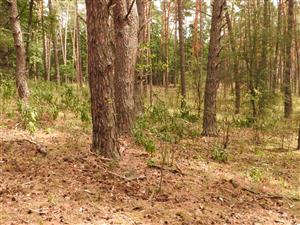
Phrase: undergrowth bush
{"type": "Point", "coordinates": [29, 116]}
{"type": "Point", "coordinates": [219, 154]}
{"type": "Point", "coordinates": [159, 124]}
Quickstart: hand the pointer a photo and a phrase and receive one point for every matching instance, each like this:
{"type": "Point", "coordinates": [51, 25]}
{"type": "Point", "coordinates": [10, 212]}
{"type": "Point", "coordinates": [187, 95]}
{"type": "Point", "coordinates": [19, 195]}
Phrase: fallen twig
{"type": "Point", "coordinates": [171, 169]}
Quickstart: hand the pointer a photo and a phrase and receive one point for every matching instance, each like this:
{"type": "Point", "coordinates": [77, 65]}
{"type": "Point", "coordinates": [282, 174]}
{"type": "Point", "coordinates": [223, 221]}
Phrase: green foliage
{"type": "Point", "coordinates": [84, 111]}
{"type": "Point", "coordinates": [67, 70]}
{"type": "Point", "coordinates": [219, 154]}
{"type": "Point", "coordinates": [159, 124]}
{"type": "Point", "coordinates": [243, 121]}
{"type": "Point", "coordinates": [69, 98]}
{"type": "Point", "coordinates": [7, 88]}
{"type": "Point", "coordinates": [255, 173]}
{"type": "Point", "coordinates": [29, 116]}
{"type": "Point", "coordinates": [142, 139]}
{"type": "Point", "coordinates": [186, 114]}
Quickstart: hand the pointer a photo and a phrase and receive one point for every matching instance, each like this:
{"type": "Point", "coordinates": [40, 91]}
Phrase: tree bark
{"type": "Point", "coordinates": [77, 47]}
{"type": "Point", "coordinates": [52, 13]}
{"type": "Point", "coordinates": [21, 72]}
{"type": "Point", "coordinates": [139, 76]}
{"type": "Point", "coordinates": [181, 52]}
{"type": "Point", "coordinates": [45, 50]}
{"type": "Point", "coordinates": [126, 43]}
{"type": "Point", "coordinates": [101, 71]}
{"type": "Point", "coordinates": [235, 64]}
{"type": "Point", "coordinates": [29, 34]}
{"type": "Point", "coordinates": [288, 62]}
{"type": "Point", "coordinates": [212, 80]}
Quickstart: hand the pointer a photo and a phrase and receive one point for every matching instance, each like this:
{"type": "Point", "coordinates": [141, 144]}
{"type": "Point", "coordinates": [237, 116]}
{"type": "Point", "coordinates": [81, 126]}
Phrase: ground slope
{"type": "Point", "coordinates": [55, 179]}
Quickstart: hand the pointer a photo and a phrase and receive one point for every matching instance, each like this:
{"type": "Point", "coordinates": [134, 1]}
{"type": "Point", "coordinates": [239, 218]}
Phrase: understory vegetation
{"type": "Point", "coordinates": [261, 150]}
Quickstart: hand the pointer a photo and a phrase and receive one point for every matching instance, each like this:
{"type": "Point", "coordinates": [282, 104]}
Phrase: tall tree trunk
{"type": "Point", "coordinates": [235, 64]}
{"type": "Point", "coordinates": [29, 34]}
{"type": "Point", "coordinates": [45, 50]}
{"type": "Point", "coordinates": [262, 80]}
{"type": "Point", "coordinates": [175, 47]}
{"type": "Point", "coordinates": [181, 52]}
{"type": "Point", "coordinates": [212, 79]}
{"type": "Point", "coordinates": [77, 47]}
{"type": "Point", "coordinates": [52, 13]}
{"type": "Point", "coordinates": [101, 71]}
{"type": "Point", "coordinates": [126, 41]}
{"type": "Point", "coordinates": [288, 62]}
{"type": "Point", "coordinates": [149, 60]}
{"type": "Point", "coordinates": [277, 59]}
{"type": "Point", "coordinates": [139, 76]}
{"type": "Point", "coordinates": [21, 72]}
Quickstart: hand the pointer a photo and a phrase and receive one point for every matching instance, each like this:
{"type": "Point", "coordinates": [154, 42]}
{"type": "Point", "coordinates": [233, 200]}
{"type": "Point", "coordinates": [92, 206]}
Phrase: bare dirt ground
{"type": "Point", "coordinates": [67, 184]}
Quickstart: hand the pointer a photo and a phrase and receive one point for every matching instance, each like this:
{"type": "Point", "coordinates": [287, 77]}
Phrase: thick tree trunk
{"type": "Point", "coordinates": [212, 79]}
{"type": "Point", "coordinates": [101, 71]}
{"type": "Point", "coordinates": [181, 52]}
{"type": "Point", "coordinates": [52, 13]}
{"type": "Point", "coordinates": [21, 72]}
{"type": "Point", "coordinates": [288, 62]}
{"type": "Point", "coordinates": [126, 43]}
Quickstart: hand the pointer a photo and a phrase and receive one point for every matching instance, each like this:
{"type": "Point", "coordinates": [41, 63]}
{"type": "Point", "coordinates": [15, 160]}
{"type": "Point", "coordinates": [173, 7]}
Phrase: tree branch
{"type": "Point", "coordinates": [129, 10]}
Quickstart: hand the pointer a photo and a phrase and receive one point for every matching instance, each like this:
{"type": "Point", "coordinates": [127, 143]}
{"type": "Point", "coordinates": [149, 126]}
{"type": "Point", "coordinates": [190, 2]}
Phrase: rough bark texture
{"type": "Point", "coordinates": [101, 71]}
{"type": "Point", "coordinates": [126, 43]}
{"type": "Point", "coordinates": [288, 62]}
{"type": "Point", "coordinates": [181, 52]}
{"type": "Point", "coordinates": [212, 81]}
{"type": "Point", "coordinates": [54, 40]}
{"type": "Point", "coordinates": [21, 72]}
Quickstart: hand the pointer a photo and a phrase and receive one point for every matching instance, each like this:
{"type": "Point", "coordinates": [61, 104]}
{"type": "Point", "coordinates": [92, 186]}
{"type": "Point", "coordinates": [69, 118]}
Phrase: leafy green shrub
{"type": "Point", "coordinates": [8, 89]}
{"type": "Point", "coordinates": [142, 139]}
{"type": "Point", "coordinates": [84, 112]}
{"type": "Point", "coordinates": [243, 121]}
{"type": "Point", "coordinates": [42, 95]}
{"type": "Point", "coordinates": [29, 116]}
{"type": "Point", "coordinates": [186, 114]}
{"type": "Point", "coordinates": [159, 112]}
{"type": "Point", "coordinates": [219, 154]}
{"type": "Point", "coordinates": [255, 173]}
{"type": "Point", "coordinates": [54, 112]}
{"type": "Point", "coordinates": [69, 98]}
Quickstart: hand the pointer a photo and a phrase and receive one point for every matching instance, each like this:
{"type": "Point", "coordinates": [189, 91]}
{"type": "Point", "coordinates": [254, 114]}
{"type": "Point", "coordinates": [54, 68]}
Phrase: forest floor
{"type": "Point", "coordinates": [53, 178]}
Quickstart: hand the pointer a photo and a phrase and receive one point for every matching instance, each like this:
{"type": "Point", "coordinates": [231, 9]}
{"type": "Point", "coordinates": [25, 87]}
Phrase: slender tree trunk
{"type": "Point", "coordinates": [101, 71]}
{"type": "Point", "coordinates": [52, 13]}
{"type": "Point", "coordinates": [212, 80]}
{"type": "Point", "coordinates": [175, 47]}
{"type": "Point", "coordinates": [21, 72]}
{"type": "Point", "coordinates": [235, 64]}
{"type": "Point", "coordinates": [181, 52]}
{"type": "Point", "coordinates": [126, 39]}
{"type": "Point", "coordinates": [66, 38]}
{"type": "Point", "coordinates": [45, 55]}
{"type": "Point", "coordinates": [139, 76]}
{"type": "Point", "coordinates": [29, 34]}
{"type": "Point", "coordinates": [77, 47]}
{"type": "Point", "coordinates": [288, 62]}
